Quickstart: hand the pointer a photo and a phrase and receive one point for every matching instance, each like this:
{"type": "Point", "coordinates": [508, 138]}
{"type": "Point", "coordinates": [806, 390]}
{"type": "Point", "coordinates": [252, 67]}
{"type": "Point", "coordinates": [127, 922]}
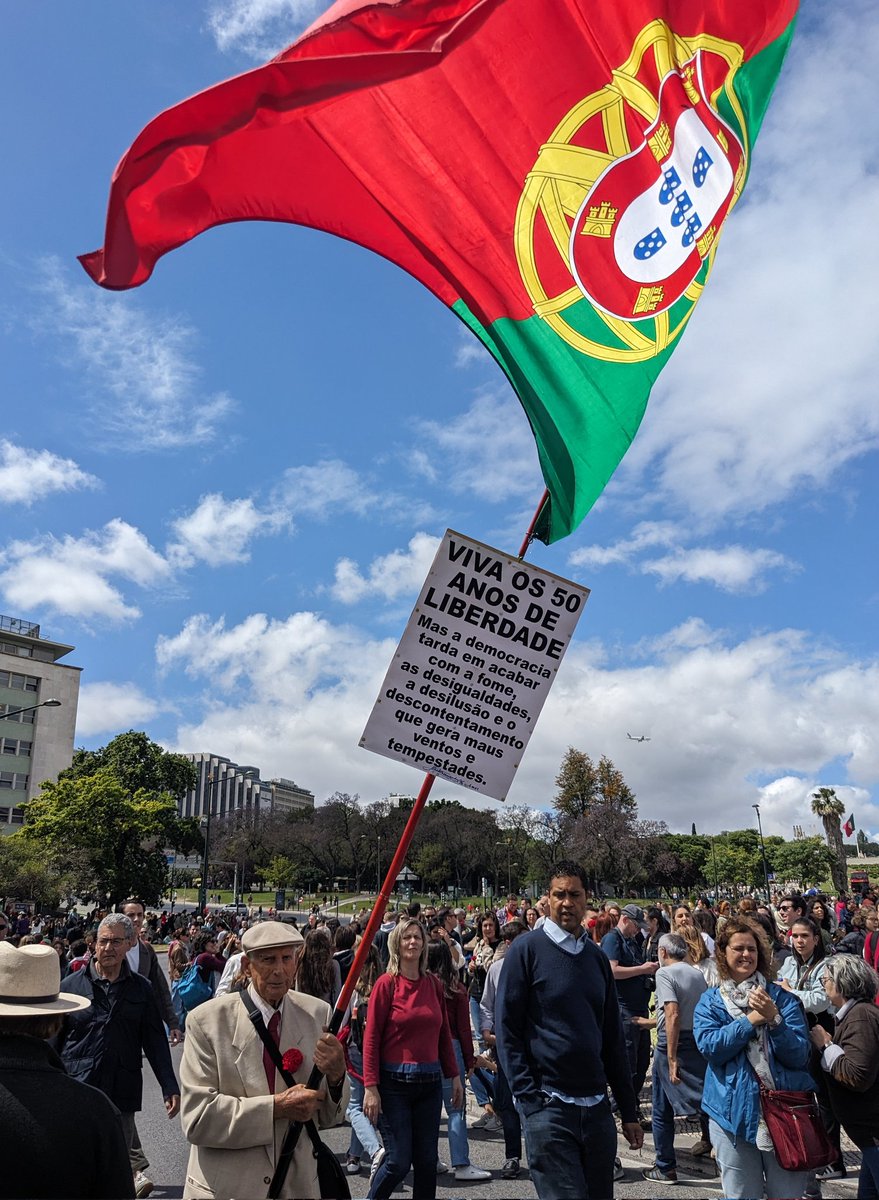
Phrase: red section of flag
{"type": "Point", "coordinates": [408, 127]}
{"type": "Point", "coordinates": [849, 827]}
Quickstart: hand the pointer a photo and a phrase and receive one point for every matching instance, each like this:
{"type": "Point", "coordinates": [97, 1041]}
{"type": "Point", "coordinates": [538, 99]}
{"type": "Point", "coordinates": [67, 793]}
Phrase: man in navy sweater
{"type": "Point", "coordinates": [560, 1042]}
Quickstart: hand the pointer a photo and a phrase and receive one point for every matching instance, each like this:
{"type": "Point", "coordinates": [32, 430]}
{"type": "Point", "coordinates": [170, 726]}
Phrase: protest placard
{"type": "Point", "coordinates": [474, 666]}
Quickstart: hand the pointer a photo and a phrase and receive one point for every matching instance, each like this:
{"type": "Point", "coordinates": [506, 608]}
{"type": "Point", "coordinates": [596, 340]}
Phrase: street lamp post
{"type": "Point", "coordinates": [378, 865]}
{"type": "Point", "coordinates": [756, 808]}
{"type": "Point", "coordinates": [30, 708]}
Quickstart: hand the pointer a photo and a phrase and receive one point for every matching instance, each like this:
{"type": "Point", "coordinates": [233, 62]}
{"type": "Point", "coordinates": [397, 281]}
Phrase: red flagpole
{"type": "Point", "coordinates": [397, 863]}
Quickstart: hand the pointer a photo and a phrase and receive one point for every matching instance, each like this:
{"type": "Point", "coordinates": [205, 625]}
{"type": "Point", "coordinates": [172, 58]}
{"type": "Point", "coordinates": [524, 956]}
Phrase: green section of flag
{"type": "Point", "coordinates": [584, 411]}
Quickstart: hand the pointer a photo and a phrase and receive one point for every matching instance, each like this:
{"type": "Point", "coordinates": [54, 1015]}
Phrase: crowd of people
{"type": "Point", "coordinates": [553, 1014]}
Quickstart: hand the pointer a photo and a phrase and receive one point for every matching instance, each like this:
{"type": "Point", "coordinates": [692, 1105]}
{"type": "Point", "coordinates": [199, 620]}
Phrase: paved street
{"type": "Point", "coordinates": [168, 1152]}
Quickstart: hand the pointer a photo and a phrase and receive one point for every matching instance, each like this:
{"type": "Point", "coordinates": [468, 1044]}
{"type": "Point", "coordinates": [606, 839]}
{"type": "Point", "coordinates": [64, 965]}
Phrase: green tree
{"type": "Point", "coordinates": [26, 874]}
{"type": "Point", "coordinates": [804, 861]}
{"type": "Point", "coordinates": [107, 838]}
{"type": "Point", "coordinates": [581, 787]}
{"type": "Point", "coordinates": [827, 805]}
{"type": "Point", "coordinates": [138, 764]}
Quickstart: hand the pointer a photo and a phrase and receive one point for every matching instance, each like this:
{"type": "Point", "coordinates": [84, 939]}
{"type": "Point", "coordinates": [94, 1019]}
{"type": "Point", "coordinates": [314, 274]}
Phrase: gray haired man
{"type": "Point", "coordinates": [102, 1045]}
{"type": "Point", "coordinates": [678, 1067]}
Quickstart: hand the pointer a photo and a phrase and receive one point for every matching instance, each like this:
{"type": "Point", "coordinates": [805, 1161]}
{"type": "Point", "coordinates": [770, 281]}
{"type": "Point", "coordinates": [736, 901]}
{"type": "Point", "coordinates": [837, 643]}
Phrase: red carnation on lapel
{"type": "Point", "coordinates": [292, 1061]}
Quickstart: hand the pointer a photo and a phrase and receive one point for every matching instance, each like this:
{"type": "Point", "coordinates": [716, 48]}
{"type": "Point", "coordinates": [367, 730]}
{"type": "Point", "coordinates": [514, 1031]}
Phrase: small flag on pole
{"type": "Point", "coordinates": [849, 827]}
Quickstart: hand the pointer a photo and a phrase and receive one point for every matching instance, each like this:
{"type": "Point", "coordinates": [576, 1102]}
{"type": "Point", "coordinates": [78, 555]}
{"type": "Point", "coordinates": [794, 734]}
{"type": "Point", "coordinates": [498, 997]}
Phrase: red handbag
{"type": "Point", "coordinates": [797, 1130]}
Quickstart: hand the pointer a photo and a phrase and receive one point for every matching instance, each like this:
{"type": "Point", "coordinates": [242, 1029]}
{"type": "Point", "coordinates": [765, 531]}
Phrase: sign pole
{"type": "Point", "coordinates": [396, 865]}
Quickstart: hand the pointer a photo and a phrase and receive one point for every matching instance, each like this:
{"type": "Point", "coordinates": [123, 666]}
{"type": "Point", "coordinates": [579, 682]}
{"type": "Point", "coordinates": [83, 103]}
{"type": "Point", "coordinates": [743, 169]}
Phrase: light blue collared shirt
{"type": "Point", "coordinates": [561, 937]}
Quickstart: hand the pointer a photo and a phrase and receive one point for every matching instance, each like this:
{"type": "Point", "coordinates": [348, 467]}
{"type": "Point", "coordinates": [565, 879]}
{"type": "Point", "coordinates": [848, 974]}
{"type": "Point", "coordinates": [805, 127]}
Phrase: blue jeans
{"type": "Point", "coordinates": [363, 1136]}
{"type": "Point", "coordinates": [663, 1129]}
{"type": "Point", "coordinates": [868, 1180]}
{"type": "Point", "coordinates": [747, 1173]}
{"type": "Point", "coordinates": [480, 1091]}
{"type": "Point", "coordinates": [459, 1148]}
{"type": "Point", "coordinates": [177, 1005]}
{"type": "Point", "coordinates": [409, 1126]}
{"type": "Point", "coordinates": [571, 1151]}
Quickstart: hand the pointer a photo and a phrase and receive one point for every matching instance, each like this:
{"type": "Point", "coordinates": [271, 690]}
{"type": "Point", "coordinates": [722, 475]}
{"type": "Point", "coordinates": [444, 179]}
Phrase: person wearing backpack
{"type": "Point", "coordinates": [179, 954]}
{"type": "Point", "coordinates": [197, 983]}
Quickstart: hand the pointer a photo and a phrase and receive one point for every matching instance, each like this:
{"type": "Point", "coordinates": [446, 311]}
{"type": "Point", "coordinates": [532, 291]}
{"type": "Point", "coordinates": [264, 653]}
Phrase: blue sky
{"type": "Point", "coordinates": [225, 487]}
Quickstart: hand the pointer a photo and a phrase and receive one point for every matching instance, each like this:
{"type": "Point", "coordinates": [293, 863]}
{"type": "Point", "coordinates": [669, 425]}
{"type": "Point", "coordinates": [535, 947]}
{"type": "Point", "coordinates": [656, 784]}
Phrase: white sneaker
{"type": "Point", "coordinates": [471, 1174]}
{"type": "Point", "coordinates": [143, 1185]}
{"type": "Point", "coordinates": [376, 1162]}
{"type": "Point", "coordinates": [441, 1167]}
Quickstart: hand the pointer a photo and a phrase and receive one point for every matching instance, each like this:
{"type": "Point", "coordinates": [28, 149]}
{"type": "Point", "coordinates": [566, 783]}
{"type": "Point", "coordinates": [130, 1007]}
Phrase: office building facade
{"type": "Point", "coordinates": [228, 788]}
{"type": "Point", "coordinates": [37, 743]}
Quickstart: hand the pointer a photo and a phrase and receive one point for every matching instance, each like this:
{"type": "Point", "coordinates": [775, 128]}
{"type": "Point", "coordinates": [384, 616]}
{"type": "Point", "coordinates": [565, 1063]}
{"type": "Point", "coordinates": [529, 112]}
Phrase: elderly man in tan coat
{"type": "Point", "coordinates": [235, 1108]}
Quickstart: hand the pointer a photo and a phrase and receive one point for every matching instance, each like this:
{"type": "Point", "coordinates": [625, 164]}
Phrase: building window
{"type": "Point", "coordinates": [17, 817]}
{"type": "Point", "coordinates": [19, 683]}
{"type": "Point", "coordinates": [4, 816]}
{"type": "Point", "coordinates": [14, 780]}
{"type": "Point", "coordinates": [26, 718]}
{"type": "Point", "coordinates": [14, 746]}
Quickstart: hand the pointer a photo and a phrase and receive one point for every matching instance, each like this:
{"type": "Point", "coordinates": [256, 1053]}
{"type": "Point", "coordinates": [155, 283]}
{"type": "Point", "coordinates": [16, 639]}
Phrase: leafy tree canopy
{"type": "Point", "coordinates": [107, 839]}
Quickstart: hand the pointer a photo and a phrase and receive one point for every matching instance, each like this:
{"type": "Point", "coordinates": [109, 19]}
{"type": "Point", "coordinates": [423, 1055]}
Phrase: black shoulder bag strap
{"type": "Point", "coordinates": [331, 1177]}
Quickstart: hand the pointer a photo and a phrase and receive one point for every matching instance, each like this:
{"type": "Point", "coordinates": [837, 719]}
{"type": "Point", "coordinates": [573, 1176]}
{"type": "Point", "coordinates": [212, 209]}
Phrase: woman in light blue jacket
{"type": "Point", "coordinates": [746, 1028]}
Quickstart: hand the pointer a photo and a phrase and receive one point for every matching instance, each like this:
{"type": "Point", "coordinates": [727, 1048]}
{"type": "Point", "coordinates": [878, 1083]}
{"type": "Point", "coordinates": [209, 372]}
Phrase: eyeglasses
{"type": "Point", "coordinates": [785, 907]}
{"type": "Point", "coordinates": [112, 941]}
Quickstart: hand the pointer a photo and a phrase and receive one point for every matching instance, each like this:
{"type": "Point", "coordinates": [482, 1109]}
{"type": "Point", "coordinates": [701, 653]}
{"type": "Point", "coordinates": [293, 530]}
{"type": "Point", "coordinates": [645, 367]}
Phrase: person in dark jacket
{"type": "Point", "coordinates": [102, 1045]}
{"type": "Point", "coordinates": [67, 1136]}
{"type": "Point", "coordinates": [850, 1060]}
{"type": "Point", "coordinates": [143, 959]}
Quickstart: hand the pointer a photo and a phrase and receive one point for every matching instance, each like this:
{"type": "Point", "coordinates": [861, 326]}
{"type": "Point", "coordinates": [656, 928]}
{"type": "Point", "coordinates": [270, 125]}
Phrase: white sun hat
{"type": "Point", "coordinates": [30, 983]}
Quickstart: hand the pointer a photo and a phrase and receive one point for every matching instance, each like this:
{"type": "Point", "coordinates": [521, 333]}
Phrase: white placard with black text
{"type": "Point", "coordinates": [474, 666]}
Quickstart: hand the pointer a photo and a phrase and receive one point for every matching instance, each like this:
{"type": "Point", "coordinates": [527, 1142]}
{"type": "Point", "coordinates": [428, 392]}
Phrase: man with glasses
{"type": "Point", "coordinates": [102, 1044]}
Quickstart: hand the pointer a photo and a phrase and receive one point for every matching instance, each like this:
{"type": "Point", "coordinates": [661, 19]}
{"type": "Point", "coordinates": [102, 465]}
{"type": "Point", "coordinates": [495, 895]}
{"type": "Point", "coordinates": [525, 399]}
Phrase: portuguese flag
{"type": "Point", "coordinates": [557, 172]}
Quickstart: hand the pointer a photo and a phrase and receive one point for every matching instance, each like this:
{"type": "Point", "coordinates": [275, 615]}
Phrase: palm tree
{"type": "Point", "coordinates": [827, 806]}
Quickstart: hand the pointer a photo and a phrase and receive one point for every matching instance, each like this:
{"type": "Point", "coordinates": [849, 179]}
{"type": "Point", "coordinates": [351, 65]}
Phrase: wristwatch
{"type": "Point", "coordinates": [776, 1021]}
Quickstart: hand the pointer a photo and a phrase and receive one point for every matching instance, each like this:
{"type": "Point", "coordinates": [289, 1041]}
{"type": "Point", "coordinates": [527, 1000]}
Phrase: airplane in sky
{"type": "Point", "coordinates": [642, 738]}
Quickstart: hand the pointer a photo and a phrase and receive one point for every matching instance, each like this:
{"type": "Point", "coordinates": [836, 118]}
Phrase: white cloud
{"type": "Point", "coordinates": [327, 487]}
{"type": "Point", "coordinates": [111, 707]}
{"type": "Point", "coordinates": [730, 568]}
{"type": "Point", "coordinates": [389, 575]}
{"type": "Point", "coordinates": [145, 380]}
{"type": "Point", "coordinates": [470, 350]}
{"type": "Point", "coordinates": [71, 575]}
{"type": "Point", "coordinates": [787, 802]}
{"type": "Point", "coordinates": [218, 531]}
{"type": "Point", "coordinates": [28, 475]}
{"type": "Point", "coordinates": [725, 720]}
{"type": "Point", "coordinates": [729, 721]}
{"type": "Point", "coordinates": [645, 535]}
{"type": "Point", "coordinates": [259, 28]}
{"type": "Point", "coordinates": [487, 451]}
{"type": "Point", "coordinates": [773, 390]}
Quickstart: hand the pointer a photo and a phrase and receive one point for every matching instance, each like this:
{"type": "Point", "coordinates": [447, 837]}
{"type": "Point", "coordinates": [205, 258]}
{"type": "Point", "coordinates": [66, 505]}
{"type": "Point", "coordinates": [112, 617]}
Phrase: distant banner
{"type": "Point", "coordinates": [474, 666]}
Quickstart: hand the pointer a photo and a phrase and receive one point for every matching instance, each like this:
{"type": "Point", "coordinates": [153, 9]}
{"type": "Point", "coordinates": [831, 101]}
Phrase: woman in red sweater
{"type": "Point", "coordinates": [406, 1052]}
